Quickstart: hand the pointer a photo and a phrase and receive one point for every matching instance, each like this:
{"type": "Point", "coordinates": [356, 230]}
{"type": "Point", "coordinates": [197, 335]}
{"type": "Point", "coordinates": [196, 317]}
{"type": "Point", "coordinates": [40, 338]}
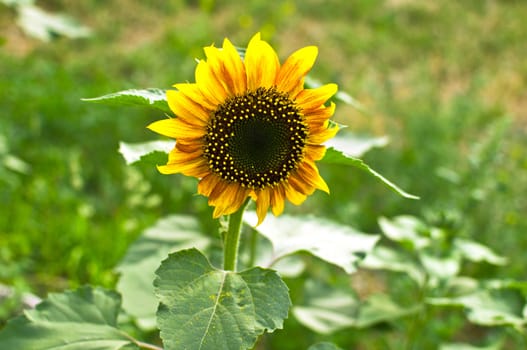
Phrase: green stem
{"type": "Point", "coordinates": [253, 246]}
{"type": "Point", "coordinates": [232, 239]}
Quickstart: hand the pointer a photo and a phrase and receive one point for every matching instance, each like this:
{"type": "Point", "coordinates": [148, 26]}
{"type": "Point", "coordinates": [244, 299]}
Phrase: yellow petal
{"type": "Point", "coordinates": [235, 66]}
{"type": "Point", "coordinates": [209, 85]}
{"type": "Point", "coordinates": [207, 184]}
{"type": "Point", "coordinates": [295, 68]}
{"type": "Point", "coordinates": [189, 146]}
{"type": "Point", "coordinates": [176, 128]}
{"type": "Point", "coordinates": [192, 93]}
{"type": "Point", "coordinates": [322, 134]}
{"type": "Point", "coordinates": [261, 64]}
{"type": "Point", "coordinates": [294, 196]}
{"type": "Point", "coordinates": [216, 64]}
{"type": "Point", "coordinates": [228, 67]}
{"type": "Point", "coordinates": [310, 99]}
{"type": "Point", "coordinates": [187, 108]}
{"type": "Point", "coordinates": [298, 184]}
{"type": "Point", "coordinates": [227, 198]}
{"type": "Point", "coordinates": [262, 204]}
{"type": "Point", "coordinates": [278, 199]}
{"type": "Point", "coordinates": [195, 169]}
{"type": "Point", "coordinates": [315, 152]}
{"type": "Point", "coordinates": [309, 174]}
{"type": "Point", "coordinates": [320, 115]}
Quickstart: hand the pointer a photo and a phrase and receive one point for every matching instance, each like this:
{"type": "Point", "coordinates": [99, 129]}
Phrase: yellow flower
{"type": "Point", "coordinates": [248, 128]}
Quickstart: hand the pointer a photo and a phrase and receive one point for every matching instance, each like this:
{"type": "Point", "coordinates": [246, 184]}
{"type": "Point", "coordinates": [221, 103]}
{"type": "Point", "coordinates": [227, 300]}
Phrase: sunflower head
{"type": "Point", "coordinates": [248, 128]}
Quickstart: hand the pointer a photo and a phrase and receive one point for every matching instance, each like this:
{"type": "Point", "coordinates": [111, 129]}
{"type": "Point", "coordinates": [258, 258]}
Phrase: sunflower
{"type": "Point", "coordinates": [248, 128]}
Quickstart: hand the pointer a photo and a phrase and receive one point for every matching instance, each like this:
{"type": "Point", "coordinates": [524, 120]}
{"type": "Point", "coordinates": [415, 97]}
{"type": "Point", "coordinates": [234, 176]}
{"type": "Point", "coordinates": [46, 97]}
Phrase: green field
{"type": "Point", "coordinates": [445, 81]}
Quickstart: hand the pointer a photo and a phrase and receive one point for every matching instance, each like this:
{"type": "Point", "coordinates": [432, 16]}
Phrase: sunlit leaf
{"type": "Point", "coordinates": [337, 156]}
{"type": "Point", "coordinates": [477, 252]}
{"type": "Point", "coordinates": [405, 229]}
{"type": "Point", "coordinates": [145, 97]}
{"type": "Point", "coordinates": [138, 267]}
{"type": "Point", "coordinates": [85, 319]}
{"type": "Point", "coordinates": [385, 258]}
{"type": "Point", "coordinates": [492, 307]}
{"type": "Point", "coordinates": [44, 26]}
{"type": "Point", "coordinates": [328, 309]}
{"type": "Point", "coordinates": [353, 145]}
{"type": "Point", "coordinates": [207, 308]}
{"type": "Point", "coordinates": [337, 244]}
{"type": "Point", "coordinates": [134, 152]}
{"type": "Point", "coordinates": [441, 267]}
{"type": "Point", "coordinates": [324, 346]}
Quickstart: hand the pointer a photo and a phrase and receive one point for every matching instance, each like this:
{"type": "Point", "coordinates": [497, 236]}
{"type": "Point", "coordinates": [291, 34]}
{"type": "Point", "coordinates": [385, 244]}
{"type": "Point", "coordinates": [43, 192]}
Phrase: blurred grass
{"type": "Point", "coordinates": [444, 80]}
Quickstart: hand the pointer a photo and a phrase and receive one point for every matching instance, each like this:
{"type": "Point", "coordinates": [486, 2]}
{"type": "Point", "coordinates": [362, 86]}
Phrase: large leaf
{"type": "Point", "coordinates": [139, 97]}
{"type": "Point", "coordinates": [85, 319]}
{"type": "Point", "coordinates": [489, 307]}
{"type": "Point", "coordinates": [138, 267]}
{"type": "Point", "coordinates": [338, 244]}
{"type": "Point", "coordinates": [206, 308]}
{"type": "Point", "coordinates": [134, 152]}
{"type": "Point", "coordinates": [338, 156]}
{"type": "Point", "coordinates": [328, 309]}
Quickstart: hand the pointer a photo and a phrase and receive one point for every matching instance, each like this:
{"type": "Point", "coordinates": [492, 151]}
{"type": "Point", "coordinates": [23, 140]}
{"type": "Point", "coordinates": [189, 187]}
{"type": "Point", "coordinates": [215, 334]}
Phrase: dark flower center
{"type": "Point", "coordinates": [256, 139]}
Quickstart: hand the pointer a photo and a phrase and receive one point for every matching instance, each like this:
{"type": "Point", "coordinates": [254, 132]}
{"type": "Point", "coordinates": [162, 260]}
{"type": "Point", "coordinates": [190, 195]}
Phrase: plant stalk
{"type": "Point", "coordinates": [231, 242]}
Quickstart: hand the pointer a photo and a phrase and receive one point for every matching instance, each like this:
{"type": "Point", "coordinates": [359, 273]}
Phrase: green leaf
{"type": "Point", "coordinates": [328, 309]}
{"type": "Point", "coordinates": [316, 236]}
{"type": "Point", "coordinates": [206, 308]}
{"type": "Point", "coordinates": [135, 152]}
{"type": "Point", "coordinates": [442, 267]}
{"type": "Point", "coordinates": [324, 346]}
{"type": "Point", "coordinates": [405, 229]}
{"type": "Point", "coordinates": [337, 156]}
{"type": "Point", "coordinates": [385, 258]}
{"type": "Point", "coordinates": [42, 25]}
{"type": "Point", "coordinates": [477, 252]}
{"type": "Point", "coordinates": [489, 307]}
{"type": "Point", "coordinates": [352, 145]}
{"type": "Point", "coordinates": [381, 308]}
{"type": "Point", "coordinates": [146, 97]}
{"type": "Point", "coordinates": [85, 319]}
{"type": "Point", "coordinates": [138, 267]}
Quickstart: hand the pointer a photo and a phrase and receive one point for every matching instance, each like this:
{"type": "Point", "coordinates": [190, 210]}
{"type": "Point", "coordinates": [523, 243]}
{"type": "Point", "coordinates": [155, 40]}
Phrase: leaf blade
{"type": "Point", "coordinates": [335, 156]}
{"type": "Point", "coordinates": [74, 320]}
{"type": "Point", "coordinates": [151, 97]}
{"type": "Point", "coordinates": [206, 308]}
{"type": "Point", "coordinates": [289, 235]}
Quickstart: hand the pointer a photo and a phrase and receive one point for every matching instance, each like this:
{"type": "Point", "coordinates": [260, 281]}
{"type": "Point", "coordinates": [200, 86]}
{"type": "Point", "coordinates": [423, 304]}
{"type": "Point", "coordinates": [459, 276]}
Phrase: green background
{"type": "Point", "coordinates": [444, 80]}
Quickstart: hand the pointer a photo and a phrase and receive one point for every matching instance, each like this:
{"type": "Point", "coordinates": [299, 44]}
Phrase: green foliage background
{"type": "Point", "coordinates": [445, 80]}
